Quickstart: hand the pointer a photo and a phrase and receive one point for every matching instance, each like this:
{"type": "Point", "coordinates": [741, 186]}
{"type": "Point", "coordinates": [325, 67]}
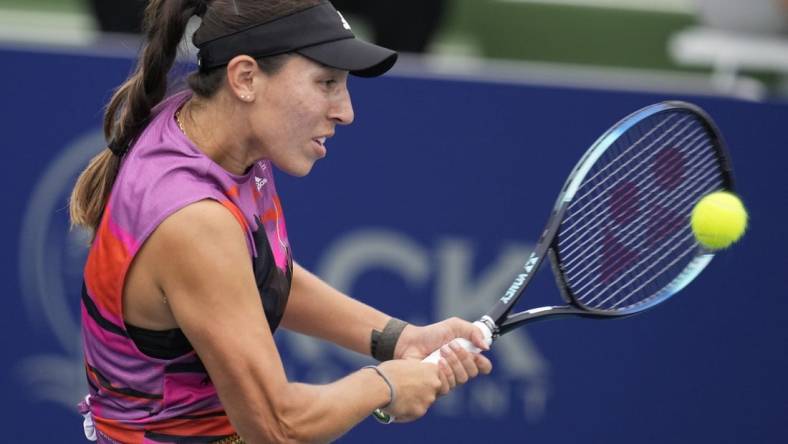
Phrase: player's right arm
{"type": "Point", "coordinates": [202, 265]}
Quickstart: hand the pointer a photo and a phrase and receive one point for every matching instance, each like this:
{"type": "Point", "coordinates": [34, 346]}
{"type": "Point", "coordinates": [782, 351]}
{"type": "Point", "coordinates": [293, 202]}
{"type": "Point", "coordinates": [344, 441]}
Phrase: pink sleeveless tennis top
{"type": "Point", "coordinates": [143, 396]}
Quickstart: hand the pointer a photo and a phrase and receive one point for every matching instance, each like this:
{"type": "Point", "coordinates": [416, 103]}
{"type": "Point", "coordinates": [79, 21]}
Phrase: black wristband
{"type": "Point", "coordinates": [383, 343]}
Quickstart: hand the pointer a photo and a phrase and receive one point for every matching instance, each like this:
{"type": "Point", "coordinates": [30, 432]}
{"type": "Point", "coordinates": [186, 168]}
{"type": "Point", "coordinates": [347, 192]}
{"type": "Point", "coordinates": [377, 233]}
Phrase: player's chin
{"type": "Point", "coordinates": [298, 169]}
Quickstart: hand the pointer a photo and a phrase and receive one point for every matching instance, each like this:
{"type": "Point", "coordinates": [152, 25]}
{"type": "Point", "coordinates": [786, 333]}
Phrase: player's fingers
{"type": "Point", "coordinates": [484, 365]}
{"type": "Point", "coordinates": [464, 329]}
{"type": "Point", "coordinates": [477, 338]}
{"type": "Point", "coordinates": [447, 379]}
{"type": "Point", "coordinates": [449, 373]}
{"type": "Point", "coordinates": [460, 375]}
{"type": "Point", "coordinates": [466, 359]}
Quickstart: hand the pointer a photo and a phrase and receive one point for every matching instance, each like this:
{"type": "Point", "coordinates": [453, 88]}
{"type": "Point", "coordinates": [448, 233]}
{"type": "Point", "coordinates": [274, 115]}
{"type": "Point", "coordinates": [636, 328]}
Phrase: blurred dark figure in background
{"type": "Point", "coordinates": [119, 15]}
{"type": "Point", "coordinates": [402, 25]}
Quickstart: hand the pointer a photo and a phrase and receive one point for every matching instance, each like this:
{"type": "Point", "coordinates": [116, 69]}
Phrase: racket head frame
{"type": "Point", "coordinates": [547, 245]}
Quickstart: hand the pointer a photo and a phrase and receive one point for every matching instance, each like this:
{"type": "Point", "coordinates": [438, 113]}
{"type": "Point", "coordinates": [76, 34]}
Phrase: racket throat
{"type": "Point", "coordinates": [505, 304]}
{"type": "Point", "coordinates": [536, 314]}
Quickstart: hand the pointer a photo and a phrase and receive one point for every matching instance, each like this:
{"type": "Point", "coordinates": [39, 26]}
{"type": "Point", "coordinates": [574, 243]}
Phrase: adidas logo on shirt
{"type": "Point", "coordinates": [260, 182]}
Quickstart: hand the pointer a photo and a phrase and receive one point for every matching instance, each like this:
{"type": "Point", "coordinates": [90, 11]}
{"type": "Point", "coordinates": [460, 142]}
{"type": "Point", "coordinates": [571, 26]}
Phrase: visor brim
{"type": "Point", "coordinates": [361, 58]}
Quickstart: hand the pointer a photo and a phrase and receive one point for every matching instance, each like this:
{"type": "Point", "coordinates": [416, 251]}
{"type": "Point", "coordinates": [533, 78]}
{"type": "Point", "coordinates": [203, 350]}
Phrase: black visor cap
{"type": "Point", "coordinates": [319, 33]}
{"type": "Point", "coordinates": [357, 56]}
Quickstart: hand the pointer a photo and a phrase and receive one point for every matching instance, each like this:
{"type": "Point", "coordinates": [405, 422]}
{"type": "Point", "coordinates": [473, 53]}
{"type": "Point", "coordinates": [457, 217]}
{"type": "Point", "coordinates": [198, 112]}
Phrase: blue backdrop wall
{"type": "Point", "coordinates": [425, 207]}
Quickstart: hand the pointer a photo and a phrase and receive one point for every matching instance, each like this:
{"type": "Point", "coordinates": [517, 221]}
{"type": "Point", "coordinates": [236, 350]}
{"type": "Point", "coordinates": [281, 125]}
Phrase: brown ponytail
{"type": "Point", "coordinates": [130, 107]}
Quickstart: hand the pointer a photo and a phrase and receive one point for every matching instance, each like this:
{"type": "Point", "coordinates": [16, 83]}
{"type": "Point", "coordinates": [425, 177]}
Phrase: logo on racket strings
{"type": "Point", "coordinates": [520, 279]}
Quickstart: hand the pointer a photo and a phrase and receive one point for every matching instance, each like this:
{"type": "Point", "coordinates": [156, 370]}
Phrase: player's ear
{"type": "Point", "coordinates": [242, 77]}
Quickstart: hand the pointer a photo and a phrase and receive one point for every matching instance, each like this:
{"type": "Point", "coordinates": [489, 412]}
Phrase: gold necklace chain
{"type": "Point", "coordinates": [233, 439]}
{"type": "Point", "coordinates": [180, 124]}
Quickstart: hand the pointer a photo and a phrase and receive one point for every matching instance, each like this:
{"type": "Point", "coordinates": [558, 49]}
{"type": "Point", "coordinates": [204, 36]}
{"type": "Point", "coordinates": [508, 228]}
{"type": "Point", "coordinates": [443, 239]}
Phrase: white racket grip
{"type": "Point", "coordinates": [435, 356]}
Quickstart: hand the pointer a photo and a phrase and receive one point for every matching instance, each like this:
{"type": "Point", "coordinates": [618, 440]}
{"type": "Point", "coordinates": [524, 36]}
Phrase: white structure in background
{"type": "Point", "coordinates": [750, 17]}
{"type": "Point", "coordinates": [736, 35]}
{"type": "Point", "coordinates": [641, 5]}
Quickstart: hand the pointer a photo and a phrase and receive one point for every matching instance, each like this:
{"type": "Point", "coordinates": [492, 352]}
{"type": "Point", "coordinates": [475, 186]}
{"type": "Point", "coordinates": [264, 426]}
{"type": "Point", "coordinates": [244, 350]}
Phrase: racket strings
{"type": "Point", "coordinates": [622, 261]}
{"type": "Point", "coordinates": [630, 147]}
{"type": "Point", "coordinates": [601, 195]}
{"type": "Point", "coordinates": [630, 185]}
{"type": "Point", "coordinates": [646, 260]}
{"type": "Point", "coordinates": [598, 196]}
{"type": "Point", "coordinates": [598, 217]}
{"type": "Point", "coordinates": [643, 222]}
{"type": "Point", "coordinates": [625, 239]}
{"type": "Point", "coordinates": [579, 276]}
{"type": "Point", "coordinates": [671, 286]}
{"type": "Point", "coordinates": [681, 256]}
{"type": "Point", "coordinates": [581, 281]}
{"type": "Point", "coordinates": [654, 203]}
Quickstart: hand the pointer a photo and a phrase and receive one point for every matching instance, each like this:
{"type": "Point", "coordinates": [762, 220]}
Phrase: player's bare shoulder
{"type": "Point", "coordinates": [199, 240]}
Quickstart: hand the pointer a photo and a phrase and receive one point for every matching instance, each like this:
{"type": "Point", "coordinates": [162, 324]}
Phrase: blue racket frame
{"type": "Point", "coordinates": [499, 318]}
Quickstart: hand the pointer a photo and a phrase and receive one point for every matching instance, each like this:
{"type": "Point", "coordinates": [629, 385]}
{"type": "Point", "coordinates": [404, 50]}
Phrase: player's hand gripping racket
{"type": "Point", "coordinates": [619, 237]}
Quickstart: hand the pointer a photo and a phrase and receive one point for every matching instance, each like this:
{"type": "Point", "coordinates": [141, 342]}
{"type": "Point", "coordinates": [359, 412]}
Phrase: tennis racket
{"type": "Point", "coordinates": [619, 238]}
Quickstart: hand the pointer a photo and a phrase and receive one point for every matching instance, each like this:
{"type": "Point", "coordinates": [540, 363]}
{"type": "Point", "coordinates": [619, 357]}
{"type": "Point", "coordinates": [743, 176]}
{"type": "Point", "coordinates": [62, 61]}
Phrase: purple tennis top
{"type": "Point", "coordinates": [138, 396]}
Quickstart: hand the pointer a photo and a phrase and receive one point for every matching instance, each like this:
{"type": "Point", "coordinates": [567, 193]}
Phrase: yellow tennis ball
{"type": "Point", "coordinates": [718, 220]}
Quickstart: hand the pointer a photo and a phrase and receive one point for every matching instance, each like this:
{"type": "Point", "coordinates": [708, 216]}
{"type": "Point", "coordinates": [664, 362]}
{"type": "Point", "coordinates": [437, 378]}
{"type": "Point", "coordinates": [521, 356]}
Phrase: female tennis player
{"type": "Point", "coordinates": [190, 270]}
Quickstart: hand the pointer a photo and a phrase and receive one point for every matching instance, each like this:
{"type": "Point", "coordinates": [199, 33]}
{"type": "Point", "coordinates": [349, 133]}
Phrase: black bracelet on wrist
{"type": "Point", "coordinates": [383, 343]}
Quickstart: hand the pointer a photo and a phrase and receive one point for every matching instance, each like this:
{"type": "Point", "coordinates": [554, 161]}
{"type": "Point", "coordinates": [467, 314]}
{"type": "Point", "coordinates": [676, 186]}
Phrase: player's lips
{"type": "Point", "coordinates": [320, 147]}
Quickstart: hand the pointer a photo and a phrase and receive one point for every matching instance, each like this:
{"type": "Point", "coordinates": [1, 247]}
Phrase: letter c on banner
{"type": "Point", "coordinates": [363, 250]}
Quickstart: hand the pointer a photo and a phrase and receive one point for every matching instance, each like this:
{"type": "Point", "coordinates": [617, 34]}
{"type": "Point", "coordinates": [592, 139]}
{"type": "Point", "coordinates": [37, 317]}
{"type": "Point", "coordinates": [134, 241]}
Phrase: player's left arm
{"type": "Point", "coordinates": [316, 309]}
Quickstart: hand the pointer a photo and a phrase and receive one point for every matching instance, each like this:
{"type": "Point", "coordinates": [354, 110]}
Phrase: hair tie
{"type": "Point", "coordinates": [200, 7]}
{"type": "Point", "coordinates": [116, 148]}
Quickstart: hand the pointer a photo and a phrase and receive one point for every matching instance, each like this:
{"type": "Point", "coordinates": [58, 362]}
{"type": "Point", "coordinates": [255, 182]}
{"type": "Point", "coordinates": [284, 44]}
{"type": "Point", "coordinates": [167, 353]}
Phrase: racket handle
{"type": "Point", "coordinates": [435, 356]}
